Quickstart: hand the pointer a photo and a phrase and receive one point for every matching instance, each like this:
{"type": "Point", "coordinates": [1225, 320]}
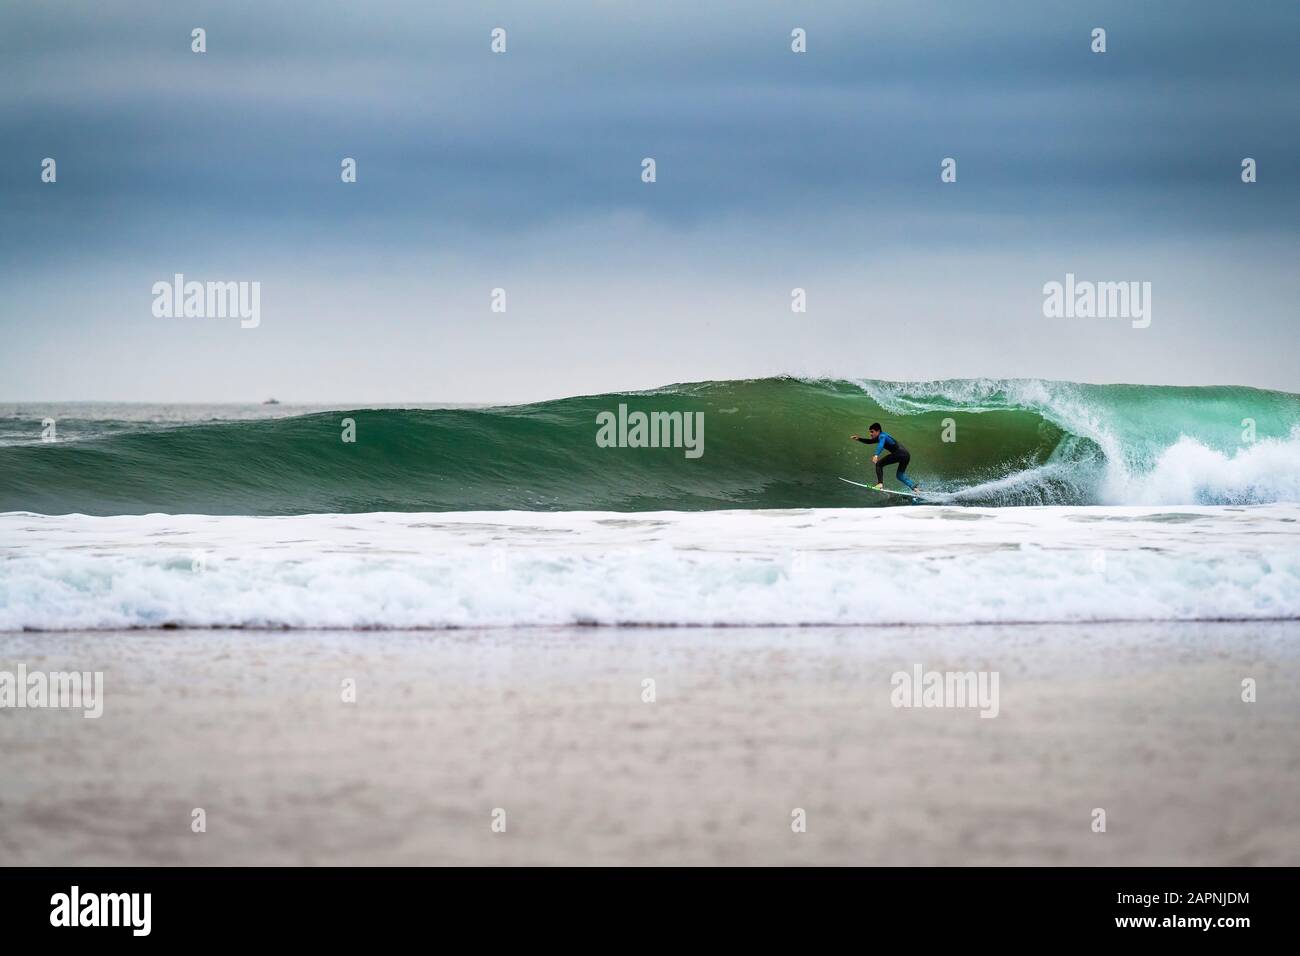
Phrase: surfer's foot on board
{"type": "Point", "coordinates": [878, 487]}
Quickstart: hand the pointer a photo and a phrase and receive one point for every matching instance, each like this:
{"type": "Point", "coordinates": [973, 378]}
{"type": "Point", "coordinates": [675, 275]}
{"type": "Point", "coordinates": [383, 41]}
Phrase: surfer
{"type": "Point", "coordinates": [894, 454]}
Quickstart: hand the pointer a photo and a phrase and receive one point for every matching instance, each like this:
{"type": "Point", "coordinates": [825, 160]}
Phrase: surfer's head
{"type": "Point", "coordinates": [874, 429]}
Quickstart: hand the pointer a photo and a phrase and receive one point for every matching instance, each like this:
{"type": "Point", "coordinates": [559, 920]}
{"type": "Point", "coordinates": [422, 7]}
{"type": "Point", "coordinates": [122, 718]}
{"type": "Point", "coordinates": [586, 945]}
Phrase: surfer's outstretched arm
{"type": "Point", "coordinates": [880, 443]}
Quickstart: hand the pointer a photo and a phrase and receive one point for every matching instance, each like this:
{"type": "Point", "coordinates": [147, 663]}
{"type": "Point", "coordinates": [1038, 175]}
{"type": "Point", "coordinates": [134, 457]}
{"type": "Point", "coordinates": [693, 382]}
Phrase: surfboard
{"type": "Point", "coordinates": [886, 491]}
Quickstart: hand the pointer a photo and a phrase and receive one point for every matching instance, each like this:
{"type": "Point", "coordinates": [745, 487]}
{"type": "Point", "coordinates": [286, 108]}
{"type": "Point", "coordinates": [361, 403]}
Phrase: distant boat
{"type": "Point", "coordinates": [271, 401]}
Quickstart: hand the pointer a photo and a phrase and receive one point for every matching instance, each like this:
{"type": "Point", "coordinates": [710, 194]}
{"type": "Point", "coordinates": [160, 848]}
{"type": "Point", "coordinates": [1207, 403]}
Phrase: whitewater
{"type": "Point", "coordinates": [909, 565]}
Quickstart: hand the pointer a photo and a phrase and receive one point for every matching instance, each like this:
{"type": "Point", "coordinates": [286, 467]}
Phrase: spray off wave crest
{"type": "Point", "coordinates": [767, 443]}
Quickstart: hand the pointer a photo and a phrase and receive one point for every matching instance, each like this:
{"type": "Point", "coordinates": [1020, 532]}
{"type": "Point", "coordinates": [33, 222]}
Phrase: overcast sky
{"type": "Point", "coordinates": [522, 170]}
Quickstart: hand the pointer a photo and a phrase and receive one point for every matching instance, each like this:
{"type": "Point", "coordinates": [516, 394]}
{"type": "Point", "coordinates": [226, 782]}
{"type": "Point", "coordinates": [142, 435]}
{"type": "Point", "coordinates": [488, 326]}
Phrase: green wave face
{"type": "Point", "coordinates": [771, 443]}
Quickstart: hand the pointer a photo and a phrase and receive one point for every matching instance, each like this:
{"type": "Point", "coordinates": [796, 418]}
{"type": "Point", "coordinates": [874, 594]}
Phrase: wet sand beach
{"type": "Point", "coordinates": [748, 725]}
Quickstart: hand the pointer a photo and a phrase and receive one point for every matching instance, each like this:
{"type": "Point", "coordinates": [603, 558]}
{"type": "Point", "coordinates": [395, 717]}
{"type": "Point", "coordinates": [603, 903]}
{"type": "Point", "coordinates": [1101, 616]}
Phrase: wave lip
{"type": "Point", "coordinates": [919, 565]}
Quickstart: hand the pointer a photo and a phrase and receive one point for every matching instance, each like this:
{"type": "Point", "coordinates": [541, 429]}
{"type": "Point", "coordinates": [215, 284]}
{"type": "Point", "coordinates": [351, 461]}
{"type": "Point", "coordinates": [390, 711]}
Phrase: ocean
{"type": "Point", "coordinates": [768, 443]}
{"type": "Point", "coordinates": [1050, 502]}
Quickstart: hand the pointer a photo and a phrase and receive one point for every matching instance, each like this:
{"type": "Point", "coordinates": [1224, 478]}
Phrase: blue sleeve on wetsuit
{"type": "Point", "coordinates": [880, 447]}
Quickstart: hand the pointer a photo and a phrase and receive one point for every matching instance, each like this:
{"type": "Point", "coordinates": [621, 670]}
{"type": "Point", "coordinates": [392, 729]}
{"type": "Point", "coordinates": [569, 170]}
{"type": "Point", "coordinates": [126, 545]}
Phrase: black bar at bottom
{"type": "Point", "coordinates": [336, 906]}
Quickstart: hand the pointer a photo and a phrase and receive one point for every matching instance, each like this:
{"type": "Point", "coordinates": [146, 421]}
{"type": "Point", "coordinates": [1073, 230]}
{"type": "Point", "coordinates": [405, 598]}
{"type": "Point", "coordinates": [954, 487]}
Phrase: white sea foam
{"type": "Point", "coordinates": [906, 564]}
{"type": "Point", "coordinates": [1188, 470]}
